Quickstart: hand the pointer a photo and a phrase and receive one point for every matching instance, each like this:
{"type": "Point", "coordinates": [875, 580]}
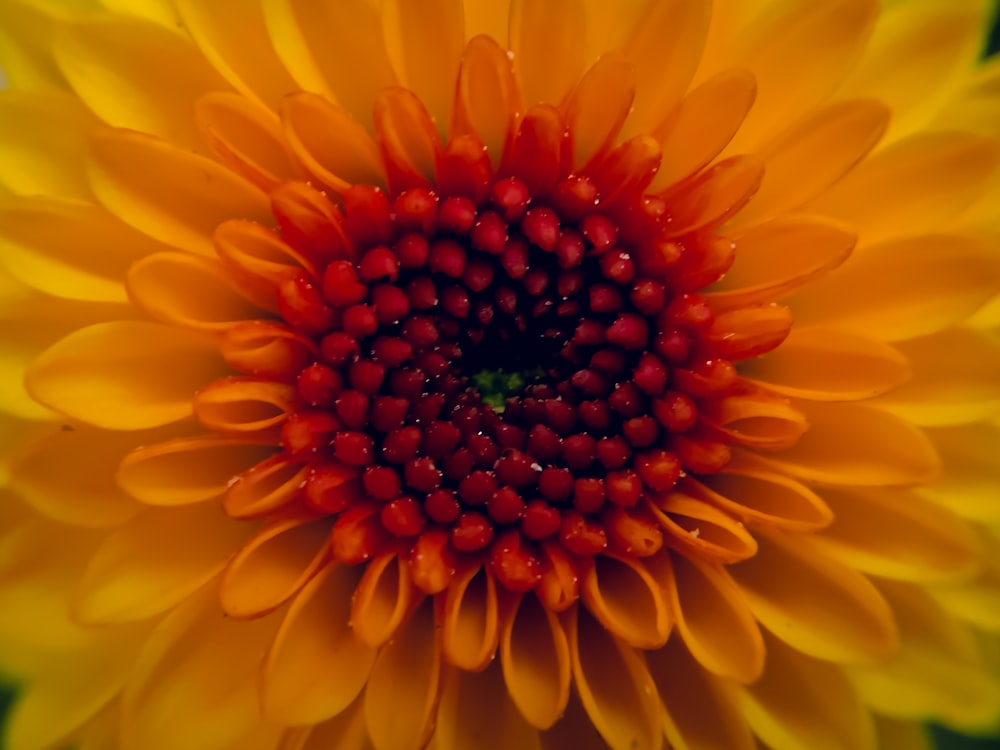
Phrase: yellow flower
{"type": "Point", "coordinates": [544, 374]}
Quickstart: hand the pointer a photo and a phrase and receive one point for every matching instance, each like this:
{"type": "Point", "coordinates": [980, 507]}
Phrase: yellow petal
{"type": "Point", "coordinates": [71, 690]}
{"type": "Point", "coordinates": [137, 572]}
{"type": "Point", "coordinates": [317, 666]}
{"type": "Point", "coordinates": [171, 195]}
{"type": "Point", "coordinates": [124, 375]}
{"type": "Point", "coordinates": [801, 702]}
{"type": "Point", "coordinates": [903, 288]}
{"type": "Point", "coordinates": [956, 379]}
{"type": "Point", "coordinates": [968, 481]}
{"type": "Point", "coordinates": [402, 694]}
{"type": "Point", "coordinates": [706, 120]}
{"type": "Point", "coordinates": [701, 711]}
{"type": "Point", "coordinates": [273, 565]}
{"type": "Point", "coordinates": [475, 712]}
{"type": "Point", "coordinates": [815, 154]}
{"type": "Point", "coordinates": [902, 735]}
{"type": "Point", "coordinates": [977, 601]}
{"type": "Point", "coordinates": [187, 290]}
{"type": "Point", "coordinates": [814, 603]}
{"type": "Point", "coordinates": [329, 143]}
{"type": "Point", "coordinates": [715, 621]}
{"type": "Point", "coordinates": [26, 45]}
{"type": "Point", "coordinates": [598, 106]}
{"type": "Point", "coordinates": [113, 63]}
{"type": "Point", "coordinates": [614, 685]}
{"type": "Point", "coordinates": [768, 498]}
{"type": "Point", "coordinates": [938, 672]}
{"type": "Point", "coordinates": [157, 11]}
{"type": "Point", "coordinates": [486, 18]}
{"type": "Point", "coordinates": [187, 470]}
{"type": "Point", "coordinates": [545, 39]}
{"type": "Point", "coordinates": [246, 59]}
{"type": "Point", "coordinates": [69, 476]}
{"type": "Point", "coordinates": [822, 364]}
{"type": "Point", "coordinates": [69, 248]}
{"type": "Point", "coordinates": [425, 45]}
{"type": "Point", "coordinates": [469, 618]}
{"type": "Point", "coordinates": [245, 136]}
{"type": "Point", "coordinates": [381, 600]}
{"type": "Point", "coordinates": [626, 599]}
{"type": "Point", "coordinates": [919, 52]}
{"type": "Point", "coordinates": [347, 61]}
{"type": "Point", "coordinates": [850, 444]}
{"type": "Point", "coordinates": [534, 656]}
{"type": "Point", "coordinates": [43, 143]}
{"type": "Point", "coordinates": [195, 672]}
{"type": "Point", "coordinates": [897, 534]}
{"type": "Point", "coordinates": [916, 185]}
{"type": "Point", "coordinates": [819, 41]}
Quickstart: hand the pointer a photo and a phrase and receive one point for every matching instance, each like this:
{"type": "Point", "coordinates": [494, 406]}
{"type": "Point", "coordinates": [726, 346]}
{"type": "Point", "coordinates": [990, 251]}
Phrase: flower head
{"type": "Point", "coordinates": [460, 375]}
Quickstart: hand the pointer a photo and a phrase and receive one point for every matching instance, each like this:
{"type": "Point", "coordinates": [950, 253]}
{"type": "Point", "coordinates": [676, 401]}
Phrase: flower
{"type": "Point", "coordinates": [561, 375]}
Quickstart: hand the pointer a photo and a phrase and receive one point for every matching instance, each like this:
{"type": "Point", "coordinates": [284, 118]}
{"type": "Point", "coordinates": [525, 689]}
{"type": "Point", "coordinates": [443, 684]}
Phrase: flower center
{"type": "Point", "coordinates": [513, 377]}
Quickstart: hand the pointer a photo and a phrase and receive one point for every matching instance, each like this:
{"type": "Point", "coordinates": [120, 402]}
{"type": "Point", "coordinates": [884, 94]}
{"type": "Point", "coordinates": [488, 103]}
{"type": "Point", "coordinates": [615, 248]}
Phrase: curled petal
{"type": "Point", "coordinates": [748, 332]}
{"type": "Point", "coordinates": [757, 420]}
{"type": "Point", "coordinates": [695, 527]}
{"type": "Point", "coordinates": [534, 656]}
{"type": "Point", "coordinates": [711, 198]}
{"type": "Point", "coordinates": [626, 599]}
{"type": "Point", "coordinates": [408, 139]}
{"type": "Point", "coordinates": [273, 565]}
{"type": "Point", "coordinates": [469, 617]}
{"type": "Point", "coordinates": [244, 404]}
{"type": "Point", "coordinates": [267, 350]}
{"type": "Point", "coordinates": [598, 107]}
{"type": "Point", "coordinates": [381, 600]}
{"type": "Point", "coordinates": [486, 97]}
{"type": "Point", "coordinates": [266, 487]}
{"type": "Point", "coordinates": [537, 155]}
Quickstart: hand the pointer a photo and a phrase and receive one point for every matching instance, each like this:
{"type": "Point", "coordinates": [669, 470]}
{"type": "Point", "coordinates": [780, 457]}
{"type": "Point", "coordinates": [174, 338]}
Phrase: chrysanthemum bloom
{"type": "Point", "coordinates": [560, 375]}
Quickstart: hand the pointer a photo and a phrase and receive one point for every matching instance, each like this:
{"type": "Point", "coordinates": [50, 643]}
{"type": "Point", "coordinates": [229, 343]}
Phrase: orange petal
{"type": "Point", "coordinates": [598, 106]}
{"type": "Point", "coordinates": [244, 404]}
{"type": "Point", "coordinates": [345, 731]}
{"type": "Point", "coordinates": [545, 40]}
{"type": "Point", "coordinates": [267, 486]}
{"type": "Point", "coordinates": [68, 475]}
{"type": "Point", "coordinates": [821, 364]}
{"type": "Point", "coordinates": [700, 709]}
{"type": "Point", "coordinates": [779, 256]}
{"type": "Point", "coordinates": [124, 375]}
{"type": "Point", "coordinates": [574, 729]}
{"type": "Point", "coordinates": [267, 350]}
{"type": "Point", "coordinates": [916, 185]}
{"type": "Point", "coordinates": [850, 444]}
{"type": "Point", "coordinates": [476, 712]}
{"type": "Point", "coordinates": [244, 136]}
{"type": "Point", "coordinates": [44, 142]}
{"type": "Point", "coordinates": [486, 97]}
{"type": "Point", "coordinates": [816, 153]}
{"type": "Point", "coordinates": [697, 528]}
{"type": "Point", "coordinates": [899, 535]}
{"type": "Point", "coordinates": [206, 653]}
{"type": "Point", "coordinates": [316, 666]}
{"type": "Point", "coordinates": [188, 469]}
{"type": "Point", "coordinates": [714, 196]}
{"type": "Point", "coordinates": [802, 702]}
{"type": "Point", "coordinates": [381, 600]}
{"type": "Point", "coordinates": [425, 43]}
{"type": "Point", "coordinates": [469, 618]}
{"type": "Point", "coordinates": [903, 288]}
{"type": "Point", "coordinates": [172, 195]}
{"type": "Point", "coordinates": [329, 143]}
{"type": "Point", "coordinates": [757, 420]}
{"type": "Point", "coordinates": [111, 65]}
{"type": "Point", "coordinates": [705, 121]}
{"type": "Point", "coordinates": [534, 655]}
{"type": "Point", "coordinates": [136, 572]}
{"type": "Point", "coordinates": [409, 142]}
{"type": "Point", "coordinates": [403, 690]}
{"type": "Point", "coordinates": [664, 48]}
{"type": "Point", "coordinates": [769, 498]}
{"type": "Point", "coordinates": [614, 685]}
{"type": "Point", "coordinates": [246, 60]}
{"type": "Point", "coordinates": [814, 603]}
{"type": "Point", "coordinates": [537, 155]}
{"type": "Point", "coordinates": [956, 379]}
{"type": "Point", "coordinates": [626, 599]}
{"type": "Point", "coordinates": [273, 565]}
{"type": "Point", "coordinates": [715, 621]}
{"type": "Point", "coordinates": [187, 290]}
